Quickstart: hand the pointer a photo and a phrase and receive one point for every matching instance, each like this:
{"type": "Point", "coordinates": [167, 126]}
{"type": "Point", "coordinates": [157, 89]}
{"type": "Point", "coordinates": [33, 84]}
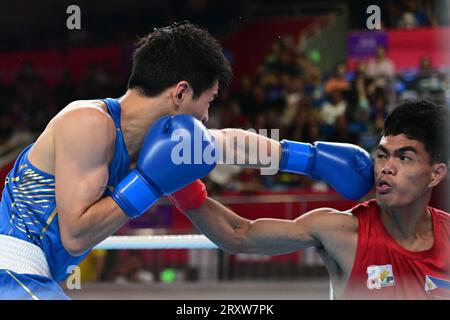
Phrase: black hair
{"type": "Point", "coordinates": [181, 51]}
{"type": "Point", "coordinates": [424, 121]}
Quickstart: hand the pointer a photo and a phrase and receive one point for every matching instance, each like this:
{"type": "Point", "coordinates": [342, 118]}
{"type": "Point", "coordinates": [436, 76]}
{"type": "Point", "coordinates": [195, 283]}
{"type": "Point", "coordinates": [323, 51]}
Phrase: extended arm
{"type": "Point", "coordinates": [321, 227]}
{"type": "Point", "coordinates": [246, 148]}
{"type": "Point", "coordinates": [264, 236]}
{"type": "Point", "coordinates": [346, 167]}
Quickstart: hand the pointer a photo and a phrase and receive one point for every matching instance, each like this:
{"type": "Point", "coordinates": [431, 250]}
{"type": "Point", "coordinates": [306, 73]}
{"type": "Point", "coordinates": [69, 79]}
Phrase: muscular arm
{"type": "Point", "coordinates": [84, 143]}
{"type": "Point", "coordinates": [246, 149]}
{"type": "Point", "coordinates": [318, 228]}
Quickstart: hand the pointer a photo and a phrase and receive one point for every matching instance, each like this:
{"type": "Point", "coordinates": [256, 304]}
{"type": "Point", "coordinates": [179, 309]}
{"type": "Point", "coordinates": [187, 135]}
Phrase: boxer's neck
{"type": "Point", "coordinates": [409, 225]}
{"type": "Point", "coordinates": [138, 113]}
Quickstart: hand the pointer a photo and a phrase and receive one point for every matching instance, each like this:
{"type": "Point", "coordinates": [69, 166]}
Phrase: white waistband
{"type": "Point", "coordinates": [20, 256]}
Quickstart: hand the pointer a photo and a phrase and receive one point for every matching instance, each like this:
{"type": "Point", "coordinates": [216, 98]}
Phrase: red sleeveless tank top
{"type": "Point", "coordinates": [385, 270]}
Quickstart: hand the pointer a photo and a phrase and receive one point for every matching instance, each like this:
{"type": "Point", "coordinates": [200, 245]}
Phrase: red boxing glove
{"type": "Point", "coordinates": [190, 197]}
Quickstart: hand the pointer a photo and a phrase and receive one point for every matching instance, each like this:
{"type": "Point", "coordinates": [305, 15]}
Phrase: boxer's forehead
{"type": "Point", "coordinates": [400, 141]}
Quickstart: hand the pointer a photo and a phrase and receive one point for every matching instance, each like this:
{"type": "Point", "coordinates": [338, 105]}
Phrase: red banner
{"type": "Point", "coordinates": [406, 47]}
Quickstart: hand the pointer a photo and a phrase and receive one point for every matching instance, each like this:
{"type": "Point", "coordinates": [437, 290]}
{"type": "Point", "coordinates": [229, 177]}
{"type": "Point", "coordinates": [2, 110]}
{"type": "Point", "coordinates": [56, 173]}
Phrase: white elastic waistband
{"type": "Point", "coordinates": [23, 257]}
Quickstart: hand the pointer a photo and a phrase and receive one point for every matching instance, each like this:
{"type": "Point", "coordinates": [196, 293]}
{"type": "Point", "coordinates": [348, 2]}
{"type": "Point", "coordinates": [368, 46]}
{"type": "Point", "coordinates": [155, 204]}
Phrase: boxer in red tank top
{"type": "Point", "coordinates": [383, 269]}
{"type": "Point", "coordinates": [392, 247]}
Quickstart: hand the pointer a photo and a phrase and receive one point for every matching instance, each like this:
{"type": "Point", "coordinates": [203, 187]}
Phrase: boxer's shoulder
{"type": "Point", "coordinates": [85, 124]}
{"type": "Point", "coordinates": [333, 219]}
{"type": "Point", "coordinates": [80, 122]}
{"type": "Point", "coordinates": [84, 110]}
{"type": "Point", "coordinates": [337, 231]}
{"type": "Point", "coordinates": [83, 116]}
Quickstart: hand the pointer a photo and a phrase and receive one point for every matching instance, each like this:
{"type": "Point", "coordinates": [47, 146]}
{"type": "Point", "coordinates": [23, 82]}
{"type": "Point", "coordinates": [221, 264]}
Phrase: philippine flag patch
{"type": "Point", "coordinates": [437, 288]}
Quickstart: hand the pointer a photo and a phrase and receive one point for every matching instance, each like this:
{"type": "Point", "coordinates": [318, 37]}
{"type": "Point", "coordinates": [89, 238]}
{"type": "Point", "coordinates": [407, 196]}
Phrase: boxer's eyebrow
{"type": "Point", "coordinates": [407, 148]}
{"type": "Point", "coordinates": [398, 151]}
{"type": "Point", "coordinates": [382, 149]}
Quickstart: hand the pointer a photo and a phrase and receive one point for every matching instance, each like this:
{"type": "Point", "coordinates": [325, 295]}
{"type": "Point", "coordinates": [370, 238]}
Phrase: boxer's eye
{"type": "Point", "coordinates": [405, 158]}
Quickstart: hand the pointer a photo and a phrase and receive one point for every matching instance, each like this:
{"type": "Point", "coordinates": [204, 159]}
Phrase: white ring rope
{"type": "Point", "coordinates": [190, 241]}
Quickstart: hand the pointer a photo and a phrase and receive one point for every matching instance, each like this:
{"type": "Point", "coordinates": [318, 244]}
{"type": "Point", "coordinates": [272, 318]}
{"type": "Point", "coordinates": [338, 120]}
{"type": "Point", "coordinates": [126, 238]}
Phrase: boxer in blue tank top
{"type": "Point", "coordinates": [68, 190]}
{"type": "Point", "coordinates": [29, 213]}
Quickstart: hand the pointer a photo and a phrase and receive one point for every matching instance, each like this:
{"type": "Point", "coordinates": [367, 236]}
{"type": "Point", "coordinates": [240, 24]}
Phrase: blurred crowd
{"type": "Point", "coordinates": [291, 93]}
{"type": "Point", "coordinates": [288, 92]}
{"type": "Point", "coordinates": [402, 14]}
{"type": "Point", "coordinates": [117, 21]}
{"type": "Point", "coordinates": [410, 14]}
{"type": "Point", "coordinates": [27, 104]}
{"type": "Point", "coordinates": [106, 22]}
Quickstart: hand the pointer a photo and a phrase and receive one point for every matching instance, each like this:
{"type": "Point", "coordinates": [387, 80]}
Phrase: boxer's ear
{"type": "Point", "coordinates": [179, 94]}
{"type": "Point", "coordinates": [438, 172]}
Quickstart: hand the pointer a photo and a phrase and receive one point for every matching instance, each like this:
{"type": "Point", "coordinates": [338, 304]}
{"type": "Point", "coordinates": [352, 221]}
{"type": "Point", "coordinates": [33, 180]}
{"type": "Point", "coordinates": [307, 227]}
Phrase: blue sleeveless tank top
{"type": "Point", "coordinates": [28, 208]}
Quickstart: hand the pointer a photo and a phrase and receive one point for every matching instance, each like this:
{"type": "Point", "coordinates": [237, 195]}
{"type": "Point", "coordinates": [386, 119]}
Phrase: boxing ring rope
{"type": "Point", "coordinates": [191, 241]}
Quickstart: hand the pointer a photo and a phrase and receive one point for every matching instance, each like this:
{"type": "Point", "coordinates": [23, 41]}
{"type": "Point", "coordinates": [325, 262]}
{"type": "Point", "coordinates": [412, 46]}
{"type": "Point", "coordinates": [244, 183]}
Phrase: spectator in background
{"type": "Point", "coordinates": [381, 72]}
{"type": "Point", "coordinates": [359, 96]}
{"type": "Point", "coordinates": [314, 87]}
{"type": "Point", "coordinates": [429, 80]}
{"type": "Point", "coordinates": [301, 64]}
{"type": "Point", "coordinates": [305, 126]}
{"type": "Point", "coordinates": [341, 132]}
{"type": "Point", "coordinates": [407, 21]}
{"type": "Point", "coordinates": [381, 69]}
{"type": "Point", "coordinates": [132, 268]}
{"type": "Point", "coordinates": [338, 82]}
{"type": "Point", "coordinates": [273, 58]}
{"type": "Point", "coordinates": [336, 107]}
{"type": "Point", "coordinates": [378, 111]}
{"type": "Point", "coordinates": [285, 64]}
{"type": "Point", "coordinates": [293, 93]}
{"type": "Point", "coordinates": [273, 90]}
{"type": "Point", "coordinates": [413, 15]}
{"type": "Point", "coordinates": [330, 111]}
{"type": "Point", "coordinates": [426, 67]}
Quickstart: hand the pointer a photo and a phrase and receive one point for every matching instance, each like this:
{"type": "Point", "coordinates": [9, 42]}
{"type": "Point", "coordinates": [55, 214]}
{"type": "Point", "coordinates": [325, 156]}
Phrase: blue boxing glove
{"type": "Point", "coordinates": [346, 167]}
{"type": "Point", "coordinates": [165, 163]}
